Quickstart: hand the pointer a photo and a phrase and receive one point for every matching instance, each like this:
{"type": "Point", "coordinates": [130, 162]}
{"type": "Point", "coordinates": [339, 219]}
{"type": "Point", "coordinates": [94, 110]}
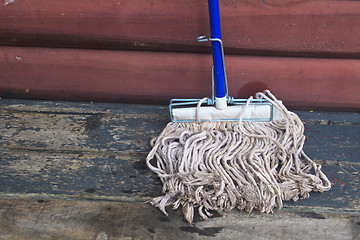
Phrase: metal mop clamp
{"type": "Point", "coordinates": [220, 107]}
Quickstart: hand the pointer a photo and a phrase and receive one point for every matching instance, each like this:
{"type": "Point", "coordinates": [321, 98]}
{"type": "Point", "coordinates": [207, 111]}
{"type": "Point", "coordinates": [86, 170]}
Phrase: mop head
{"type": "Point", "coordinates": [220, 165]}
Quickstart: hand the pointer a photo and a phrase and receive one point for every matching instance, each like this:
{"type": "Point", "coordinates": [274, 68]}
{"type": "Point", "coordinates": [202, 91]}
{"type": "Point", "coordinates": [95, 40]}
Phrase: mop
{"type": "Point", "coordinates": [231, 153]}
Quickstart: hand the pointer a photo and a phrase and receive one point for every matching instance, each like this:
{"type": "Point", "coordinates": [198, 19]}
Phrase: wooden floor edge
{"type": "Point", "coordinates": [45, 196]}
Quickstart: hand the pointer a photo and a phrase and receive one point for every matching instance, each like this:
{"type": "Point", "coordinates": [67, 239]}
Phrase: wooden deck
{"type": "Point", "coordinates": [55, 151]}
{"type": "Point", "coordinates": [97, 151]}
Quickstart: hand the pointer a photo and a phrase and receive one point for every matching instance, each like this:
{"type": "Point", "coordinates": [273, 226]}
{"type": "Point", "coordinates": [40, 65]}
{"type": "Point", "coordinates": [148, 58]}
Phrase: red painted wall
{"type": "Point", "coordinates": [306, 52]}
{"type": "Point", "coordinates": [137, 76]}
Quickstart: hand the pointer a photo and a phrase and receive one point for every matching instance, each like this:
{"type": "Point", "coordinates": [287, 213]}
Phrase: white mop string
{"type": "Point", "coordinates": [223, 165]}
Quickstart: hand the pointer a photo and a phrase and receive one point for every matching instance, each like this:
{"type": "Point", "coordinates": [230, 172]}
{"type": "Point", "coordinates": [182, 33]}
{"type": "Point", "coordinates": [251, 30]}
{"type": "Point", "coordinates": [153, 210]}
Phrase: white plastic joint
{"type": "Point", "coordinates": [220, 103]}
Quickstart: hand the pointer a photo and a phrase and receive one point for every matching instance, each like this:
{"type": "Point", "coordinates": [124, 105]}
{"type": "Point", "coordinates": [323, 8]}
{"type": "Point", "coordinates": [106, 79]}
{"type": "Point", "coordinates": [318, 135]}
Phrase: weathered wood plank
{"type": "Point", "coordinates": [66, 132]}
{"type": "Point", "coordinates": [98, 75]}
{"type": "Point", "coordinates": [344, 193]}
{"type": "Point", "coordinates": [82, 108]}
{"type": "Point", "coordinates": [162, 111]}
{"type": "Point", "coordinates": [129, 128]}
{"type": "Point", "coordinates": [333, 142]}
{"type": "Point", "coordinates": [82, 220]}
{"type": "Point", "coordinates": [329, 118]}
{"type": "Point", "coordinates": [97, 151]}
{"type": "Point", "coordinates": [122, 175]}
{"type": "Point", "coordinates": [125, 175]}
{"type": "Point", "coordinates": [296, 28]}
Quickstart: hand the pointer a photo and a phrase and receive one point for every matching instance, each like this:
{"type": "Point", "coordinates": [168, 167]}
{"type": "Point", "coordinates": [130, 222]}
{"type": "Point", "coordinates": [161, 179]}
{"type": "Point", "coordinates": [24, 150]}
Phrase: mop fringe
{"type": "Point", "coordinates": [217, 166]}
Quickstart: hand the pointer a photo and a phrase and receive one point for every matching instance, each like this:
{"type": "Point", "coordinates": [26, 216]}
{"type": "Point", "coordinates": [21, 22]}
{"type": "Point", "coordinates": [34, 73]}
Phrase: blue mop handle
{"type": "Point", "coordinates": [219, 74]}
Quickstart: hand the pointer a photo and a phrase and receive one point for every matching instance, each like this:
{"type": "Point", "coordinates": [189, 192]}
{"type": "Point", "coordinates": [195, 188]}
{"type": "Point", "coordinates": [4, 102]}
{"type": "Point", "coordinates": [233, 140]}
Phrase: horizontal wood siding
{"type": "Point", "coordinates": [135, 76]}
{"type": "Point", "coordinates": [306, 52]}
{"type": "Point", "coordinates": [304, 28]}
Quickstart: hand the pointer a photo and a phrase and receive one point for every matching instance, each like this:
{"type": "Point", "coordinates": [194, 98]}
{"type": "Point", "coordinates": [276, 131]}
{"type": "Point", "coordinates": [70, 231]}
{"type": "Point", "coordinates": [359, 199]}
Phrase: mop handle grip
{"type": "Point", "coordinates": [219, 75]}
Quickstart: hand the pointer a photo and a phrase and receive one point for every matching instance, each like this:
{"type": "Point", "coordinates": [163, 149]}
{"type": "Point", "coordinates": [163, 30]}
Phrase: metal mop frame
{"type": "Point", "coordinates": [185, 103]}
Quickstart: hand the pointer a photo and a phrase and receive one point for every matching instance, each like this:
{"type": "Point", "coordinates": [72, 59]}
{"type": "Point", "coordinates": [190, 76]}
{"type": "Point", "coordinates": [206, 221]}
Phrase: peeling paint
{"type": "Point", "coordinates": [7, 2]}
